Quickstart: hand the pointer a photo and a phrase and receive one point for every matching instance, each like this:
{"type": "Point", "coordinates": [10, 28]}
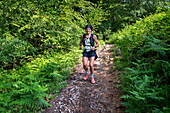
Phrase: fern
{"type": "Point", "coordinates": [145, 77]}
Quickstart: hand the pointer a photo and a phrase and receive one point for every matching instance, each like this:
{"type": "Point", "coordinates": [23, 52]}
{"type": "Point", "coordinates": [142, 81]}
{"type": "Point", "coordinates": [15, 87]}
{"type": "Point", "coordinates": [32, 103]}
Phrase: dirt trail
{"type": "Point", "coordinates": [83, 97]}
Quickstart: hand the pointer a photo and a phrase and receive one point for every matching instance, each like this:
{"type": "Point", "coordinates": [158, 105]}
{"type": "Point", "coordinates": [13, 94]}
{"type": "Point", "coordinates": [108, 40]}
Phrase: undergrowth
{"type": "Point", "coordinates": [145, 64]}
{"type": "Point", "coordinates": [24, 89]}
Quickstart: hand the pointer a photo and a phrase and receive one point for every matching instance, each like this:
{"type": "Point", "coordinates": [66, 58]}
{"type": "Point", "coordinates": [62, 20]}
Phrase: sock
{"type": "Point", "coordinates": [87, 71]}
{"type": "Point", "coordinates": [92, 75]}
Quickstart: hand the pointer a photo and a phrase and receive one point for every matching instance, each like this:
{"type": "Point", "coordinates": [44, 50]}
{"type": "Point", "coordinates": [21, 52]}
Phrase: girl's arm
{"type": "Point", "coordinates": [97, 43]}
{"type": "Point", "coordinates": [95, 39]}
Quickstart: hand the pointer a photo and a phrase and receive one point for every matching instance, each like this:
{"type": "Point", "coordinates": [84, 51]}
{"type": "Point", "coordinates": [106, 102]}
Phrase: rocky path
{"type": "Point", "coordinates": [83, 97]}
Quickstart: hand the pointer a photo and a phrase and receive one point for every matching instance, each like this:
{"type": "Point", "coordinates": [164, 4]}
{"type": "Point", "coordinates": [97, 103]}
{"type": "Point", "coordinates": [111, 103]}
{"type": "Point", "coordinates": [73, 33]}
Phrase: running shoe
{"type": "Point", "coordinates": [86, 76]}
{"type": "Point", "coordinates": [92, 80]}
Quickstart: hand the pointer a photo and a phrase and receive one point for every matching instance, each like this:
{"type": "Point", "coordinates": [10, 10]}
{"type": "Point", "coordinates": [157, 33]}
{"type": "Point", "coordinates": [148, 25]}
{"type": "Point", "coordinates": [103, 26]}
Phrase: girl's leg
{"type": "Point", "coordinates": [85, 66]}
{"type": "Point", "coordinates": [85, 63]}
{"type": "Point", "coordinates": [92, 69]}
{"type": "Point", "coordinates": [91, 65]}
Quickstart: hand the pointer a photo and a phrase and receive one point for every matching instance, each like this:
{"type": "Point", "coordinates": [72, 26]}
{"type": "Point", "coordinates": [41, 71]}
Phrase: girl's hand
{"type": "Point", "coordinates": [93, 48]}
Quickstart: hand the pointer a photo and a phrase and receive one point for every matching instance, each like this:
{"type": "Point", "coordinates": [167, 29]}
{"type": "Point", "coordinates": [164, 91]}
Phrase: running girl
{"type": "Point", "coordinates": [89, 52]}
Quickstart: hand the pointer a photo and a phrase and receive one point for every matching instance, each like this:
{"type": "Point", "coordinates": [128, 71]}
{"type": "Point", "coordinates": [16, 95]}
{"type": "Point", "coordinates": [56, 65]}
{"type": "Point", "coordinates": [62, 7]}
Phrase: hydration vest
{"type": "Point", "coordinates": [91, 40]}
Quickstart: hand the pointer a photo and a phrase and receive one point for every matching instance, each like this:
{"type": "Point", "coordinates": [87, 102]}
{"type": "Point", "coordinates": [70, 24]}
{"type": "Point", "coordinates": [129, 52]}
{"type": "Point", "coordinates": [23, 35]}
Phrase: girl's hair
{"type": "Point", "coordinates": [89, 26]}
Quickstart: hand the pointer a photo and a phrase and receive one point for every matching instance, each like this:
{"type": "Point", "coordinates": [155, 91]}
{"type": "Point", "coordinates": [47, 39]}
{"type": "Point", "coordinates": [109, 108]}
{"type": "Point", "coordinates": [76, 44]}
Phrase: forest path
{"type": "Point", "coordinates": [84, 97]}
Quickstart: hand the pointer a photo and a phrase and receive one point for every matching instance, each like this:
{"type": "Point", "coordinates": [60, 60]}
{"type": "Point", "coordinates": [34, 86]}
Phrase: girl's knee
{"type": "Point", "coordinates": [85, 65]}
{"type": "Point", "coordinates": [91, 64]}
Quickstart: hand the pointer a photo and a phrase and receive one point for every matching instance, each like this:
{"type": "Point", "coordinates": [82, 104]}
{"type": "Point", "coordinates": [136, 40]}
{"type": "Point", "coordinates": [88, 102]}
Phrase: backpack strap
{"type": "Point", "coordinates": [92, 40]}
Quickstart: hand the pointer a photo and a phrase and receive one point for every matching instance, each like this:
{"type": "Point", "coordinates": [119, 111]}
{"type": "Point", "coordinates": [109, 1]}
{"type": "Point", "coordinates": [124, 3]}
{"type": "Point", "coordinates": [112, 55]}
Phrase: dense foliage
{"type": "Point", "coordinates": [145, 64]}
{"type": "Point", "coordinates": [25, 89]}
{"type": "Point", "coordinates": [40, 25]}
{"type": "Point", "coordinates": [121, 13]}
{"type": "Point", "coordinates": [38, 48]}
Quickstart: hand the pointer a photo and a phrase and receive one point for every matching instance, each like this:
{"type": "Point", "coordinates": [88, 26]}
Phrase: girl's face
{"type": "Point", "coordinates": [88, 30]}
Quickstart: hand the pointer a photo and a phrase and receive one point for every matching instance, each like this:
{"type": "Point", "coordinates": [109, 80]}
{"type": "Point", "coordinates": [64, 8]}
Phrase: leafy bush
{"type": "Point", "coordinates": [12, 50]}
{"type": "Point", "coordinates": [124, 12]}
{"type": "Point", "coordinates": [24, 89]}
{"type": "Point", "coordinates": [49, 24]}
{"type": "Point", "coordinates": [145, 64]}
{"type": "Point", "coordinates": [45, 33]}
{"type": "Point", "coordinates": [46, 24]}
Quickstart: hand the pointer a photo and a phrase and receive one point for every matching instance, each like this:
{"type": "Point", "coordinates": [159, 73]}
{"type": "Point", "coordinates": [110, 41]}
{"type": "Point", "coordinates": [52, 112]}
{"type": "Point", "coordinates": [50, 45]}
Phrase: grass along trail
{"type": "Point", "coordinates": [83, 97]}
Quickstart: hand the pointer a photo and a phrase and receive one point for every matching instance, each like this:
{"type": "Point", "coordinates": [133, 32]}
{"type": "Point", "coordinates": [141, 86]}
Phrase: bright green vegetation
{"type": "Point", "coordinates": [39, 47]}
{"type": "Point", "coordinates": [29, 27]}
{"type": "Point", "coordinates": [145, 64]}
{"type": "Point", "coordinates": [120, 13]}
{"type": "Point", "coordinates": [25, 88]}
